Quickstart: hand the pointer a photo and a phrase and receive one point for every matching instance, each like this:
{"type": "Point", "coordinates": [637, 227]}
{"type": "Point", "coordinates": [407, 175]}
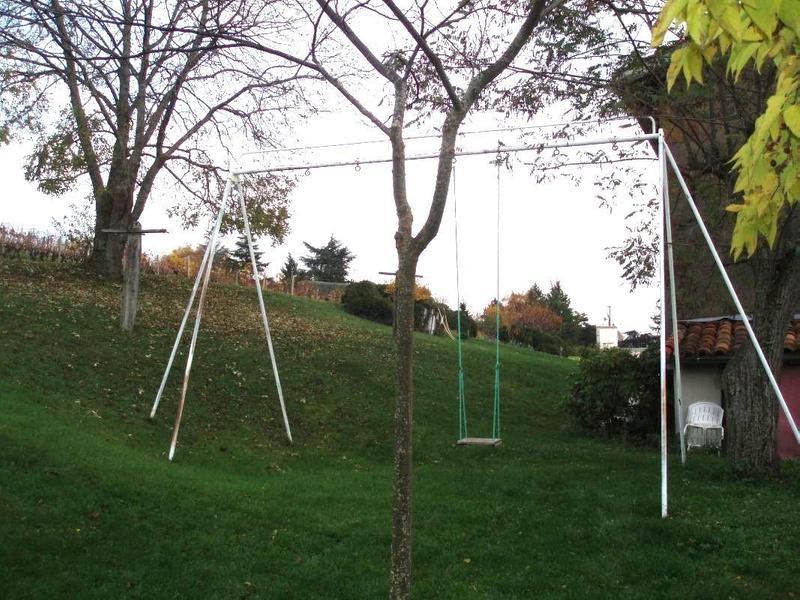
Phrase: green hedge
{"type": "Point", "coordinates": [617, 393]}
{"type": "Point", "coordinates": [365, 299]}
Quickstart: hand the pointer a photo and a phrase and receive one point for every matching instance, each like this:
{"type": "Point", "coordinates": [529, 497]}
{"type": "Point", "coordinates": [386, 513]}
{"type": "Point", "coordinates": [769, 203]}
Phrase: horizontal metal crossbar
{"type": "Point", "coordinates": [428, 136]}
{"type": "Point", "coordinates": [134, 231]}
{"type": "Point", "coordinates": [531, 147]}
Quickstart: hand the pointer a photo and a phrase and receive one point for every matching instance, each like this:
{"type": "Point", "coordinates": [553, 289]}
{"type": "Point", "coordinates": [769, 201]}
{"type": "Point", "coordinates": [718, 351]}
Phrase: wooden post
{"type": "Point", "coordinates": [130, 270]}
{"type": "Point", "coordinates": [130, 277]}
{"type": "Point", "coordinates": [291, 287]}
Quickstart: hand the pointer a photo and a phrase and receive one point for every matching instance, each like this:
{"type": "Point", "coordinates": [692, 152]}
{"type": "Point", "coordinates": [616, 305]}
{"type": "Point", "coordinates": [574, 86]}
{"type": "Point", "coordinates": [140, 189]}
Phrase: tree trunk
{"type": "Point", "coordinates": [752, 414]}
{"type": "Point", "coordinates": [403, 425]}
{"type": "Point", "coordinates": [751, 405]}
{"type": "Point", "coordinates": [112, 211]}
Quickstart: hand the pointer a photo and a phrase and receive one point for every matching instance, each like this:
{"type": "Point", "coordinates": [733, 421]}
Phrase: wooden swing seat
{"type": "Point", "coordinates": [474, 441]}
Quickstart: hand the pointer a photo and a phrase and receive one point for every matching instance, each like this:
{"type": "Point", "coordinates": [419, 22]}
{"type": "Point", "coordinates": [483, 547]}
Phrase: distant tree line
{"type": "Point", "coordinates": [543, 321]}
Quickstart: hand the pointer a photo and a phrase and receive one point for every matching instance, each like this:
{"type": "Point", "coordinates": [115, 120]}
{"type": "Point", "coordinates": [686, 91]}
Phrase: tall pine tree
{"type": "Point", "coordinates": [291, 269]}
{"type": "Point", "coordinates": [573, 322]}
{"type": "Point", "coordinates": [329, 262]}
{"type": "Point", "coordinates": [240, 256]}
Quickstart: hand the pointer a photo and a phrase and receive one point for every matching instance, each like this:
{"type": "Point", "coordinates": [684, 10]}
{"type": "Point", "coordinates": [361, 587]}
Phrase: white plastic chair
{"type": "Point", "coordinates": [704, 425]}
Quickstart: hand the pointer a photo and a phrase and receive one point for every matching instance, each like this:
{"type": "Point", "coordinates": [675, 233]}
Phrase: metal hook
{"type": "Point", "coordinates": [308, 172]}
{"type": "Point", "coordinates": [358, 166]}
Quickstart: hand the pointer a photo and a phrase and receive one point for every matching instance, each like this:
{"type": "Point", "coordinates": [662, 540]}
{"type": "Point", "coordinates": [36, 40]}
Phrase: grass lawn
{"type": "Point", "coordinates": [91, 508]}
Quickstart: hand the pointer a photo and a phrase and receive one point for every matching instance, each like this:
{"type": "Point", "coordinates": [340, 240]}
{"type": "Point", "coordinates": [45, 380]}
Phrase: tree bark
{"type": "Point", "coordinates": [108, 249]}
{"type": "Point", "coordinates": [752, 414]}
{"type": "Point", "coordinates": [751, 405]}
{"type": "Point", "coordinates": [403, 426]}
{"type": "Point", "coordinates": [113, 210]}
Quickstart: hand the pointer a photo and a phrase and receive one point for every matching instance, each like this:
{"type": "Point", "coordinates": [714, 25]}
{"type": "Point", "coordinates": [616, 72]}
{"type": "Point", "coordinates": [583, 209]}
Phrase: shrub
{"type": "Point", "coordinates": [617, 393]}
{"type": "Point", "coordinates": [365, 299]}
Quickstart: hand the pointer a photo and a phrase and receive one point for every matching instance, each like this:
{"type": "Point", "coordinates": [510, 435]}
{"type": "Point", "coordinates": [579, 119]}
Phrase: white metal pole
{"type": "Point", "coordinates": [662, 337]}
{"type": "Point", "coordinates": [185, 319]}
{"type": "Point", "coordinates": [263, 310]}
{"type": "Point", "coordinates": [734, 297]}
{"type": "Point", "coordinates": [198, 317]}
{"type": "Point", "coordinates": [676, 348]}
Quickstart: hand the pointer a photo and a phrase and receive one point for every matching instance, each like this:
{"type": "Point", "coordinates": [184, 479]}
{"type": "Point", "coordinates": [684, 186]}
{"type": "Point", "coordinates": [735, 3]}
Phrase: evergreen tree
{"type": "Point", "coordinates": [290, 268]}
{"type": "Point", "coordinates": [240, 256]}
{"type": "Point", "coordinates": [558, 301]}
{"type": "Point", "coordinates": [535, 295]}
{"type": "Point", "coordinates": [329, 262]}
{"type": "Point", "coordinates": [573, 322]}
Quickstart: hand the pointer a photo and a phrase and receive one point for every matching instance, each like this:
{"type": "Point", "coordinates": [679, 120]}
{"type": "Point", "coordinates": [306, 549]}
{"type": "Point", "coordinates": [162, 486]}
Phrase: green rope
{"type": "Point", "coordinates": [462, 405]}
{"type": "Point", "coordinates": [496, 406]}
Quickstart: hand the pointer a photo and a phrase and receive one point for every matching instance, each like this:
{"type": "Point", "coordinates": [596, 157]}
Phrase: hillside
{"type": "Point", "coordinates": [91, 507]}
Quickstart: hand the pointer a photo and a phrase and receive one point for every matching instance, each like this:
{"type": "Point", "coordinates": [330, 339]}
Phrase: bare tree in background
{"type": "Point", "coordinates": [123, 92]}
{"type": "Point", "coordinates": [438, 65]}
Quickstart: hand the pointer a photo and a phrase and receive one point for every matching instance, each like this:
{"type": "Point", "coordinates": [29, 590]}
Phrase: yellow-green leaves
{"type": "Point", "coordinates": [687, 60]}
{"type": "Point", "coordinates": [791, 117]}
{"type": "Point", "coordinates": [789, 14]}
{"type": "Point", "coordinates": [763, 13]}
{"type": "Point", "coordinates": [749, 32]}
{"type": "Point", "coordinates": [669, 13]}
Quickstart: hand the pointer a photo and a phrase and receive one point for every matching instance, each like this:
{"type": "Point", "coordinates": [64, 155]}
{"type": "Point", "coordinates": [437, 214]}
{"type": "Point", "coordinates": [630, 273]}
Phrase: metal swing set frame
{"type": "Point", "coordinates": [666, 161]}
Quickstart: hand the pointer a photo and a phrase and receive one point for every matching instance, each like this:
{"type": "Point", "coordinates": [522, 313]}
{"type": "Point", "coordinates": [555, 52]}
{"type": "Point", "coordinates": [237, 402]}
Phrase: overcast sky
{"type": "Point", "coordinates": [551, 231]}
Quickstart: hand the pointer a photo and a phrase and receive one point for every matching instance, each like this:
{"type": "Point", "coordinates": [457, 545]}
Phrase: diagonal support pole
{"type": "Point", "coordinates": [198, 317]}
{"type": "Point", "coordinates": [263, 310]}
{"type": "Point", "coordinates": [751, 334]}
{"type": "Point", "coordinates": [185, 319]}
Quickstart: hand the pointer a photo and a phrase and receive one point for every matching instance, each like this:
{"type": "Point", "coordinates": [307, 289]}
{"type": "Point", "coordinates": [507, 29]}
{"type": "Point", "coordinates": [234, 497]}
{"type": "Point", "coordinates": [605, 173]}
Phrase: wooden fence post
{"type": "Point", "coordinates": [130, 277]}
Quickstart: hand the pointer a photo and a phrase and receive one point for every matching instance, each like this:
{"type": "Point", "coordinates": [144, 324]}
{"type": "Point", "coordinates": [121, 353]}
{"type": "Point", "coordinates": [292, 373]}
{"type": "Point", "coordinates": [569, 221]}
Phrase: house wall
{"type": "Point", "coordinates": [607, 337]}
{"type": "Point", "coordinates": [790, 388]}
{"type": "Point", "coordinates": [704, 384]}
{"type": "Point", "coordinates": [700, 384]}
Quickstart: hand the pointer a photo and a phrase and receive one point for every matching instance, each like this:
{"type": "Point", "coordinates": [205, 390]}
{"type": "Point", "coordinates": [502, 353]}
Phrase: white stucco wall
{"type": "Point", "coordinates": [700, 384]}
{"type": "Point", "coordinates": [607, 337]}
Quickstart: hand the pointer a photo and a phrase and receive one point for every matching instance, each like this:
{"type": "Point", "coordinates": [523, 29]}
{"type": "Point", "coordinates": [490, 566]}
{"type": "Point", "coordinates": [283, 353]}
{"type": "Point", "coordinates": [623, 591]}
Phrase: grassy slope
{"type": "Point", "coordinates": [91, 508]}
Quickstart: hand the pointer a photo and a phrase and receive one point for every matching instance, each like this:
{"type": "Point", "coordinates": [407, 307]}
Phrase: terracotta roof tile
{"type": "Point", "coordinates": [721, 338]}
